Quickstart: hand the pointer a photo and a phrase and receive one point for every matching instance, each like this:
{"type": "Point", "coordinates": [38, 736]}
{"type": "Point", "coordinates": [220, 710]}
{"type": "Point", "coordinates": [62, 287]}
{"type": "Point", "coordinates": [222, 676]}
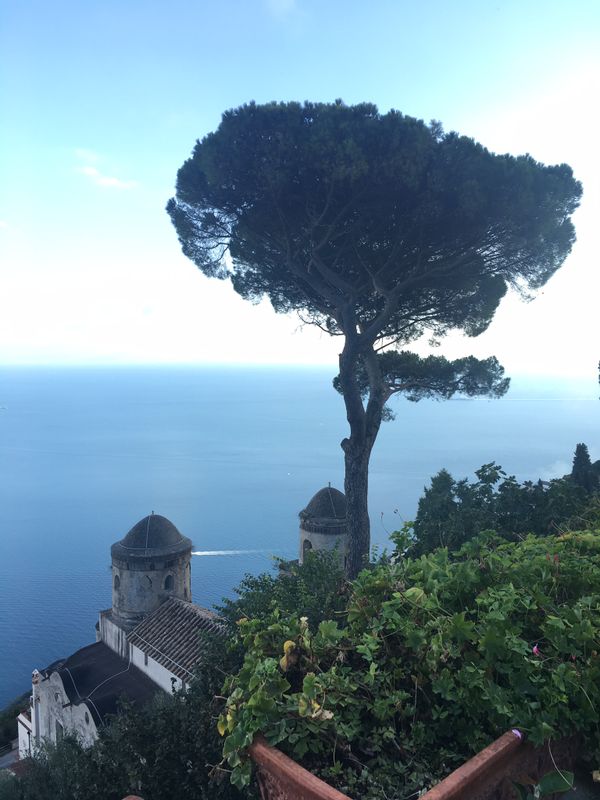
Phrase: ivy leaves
{"type": "Point", "coordinates": [432, 659]}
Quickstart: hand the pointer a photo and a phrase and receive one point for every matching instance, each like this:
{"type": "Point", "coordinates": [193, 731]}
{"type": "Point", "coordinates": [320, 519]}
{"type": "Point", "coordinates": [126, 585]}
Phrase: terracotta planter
{"type": "Point", "coordinates": [281, 778]}
{"type": "Point", "coordinates": [486, 776]}
{"type": "Point", "coordinates": [490, 773]}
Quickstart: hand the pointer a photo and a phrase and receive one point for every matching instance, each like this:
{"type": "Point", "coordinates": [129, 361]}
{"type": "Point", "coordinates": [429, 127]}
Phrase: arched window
{"type": "Point", "coordinates": [117, 583]}
{"type": "Point", "coordinates": [306, 547]}
{"type": "Point", "coordinates": [169, 583]}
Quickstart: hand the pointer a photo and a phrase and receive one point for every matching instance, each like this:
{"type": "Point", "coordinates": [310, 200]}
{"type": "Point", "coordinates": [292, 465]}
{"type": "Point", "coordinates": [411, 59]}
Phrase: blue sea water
{"type": "Point", "coordinates": [230, 455]}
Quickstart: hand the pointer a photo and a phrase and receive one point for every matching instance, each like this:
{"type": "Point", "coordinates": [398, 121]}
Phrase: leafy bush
{"type": "Point", "coordinates": [588, 517]}
{"type": "Point", "coordinates": [60, 772]}
{"type": "Point", "coordinates": [9, 787]}
{"type": "Point", "coordinates": [316, 590]}
{"type": "Point", "coordinates": [451, 512]}
{"type": "Point", "coordinates": [550, 784]}
{"type": "Point", "coordinates": [433, 659]}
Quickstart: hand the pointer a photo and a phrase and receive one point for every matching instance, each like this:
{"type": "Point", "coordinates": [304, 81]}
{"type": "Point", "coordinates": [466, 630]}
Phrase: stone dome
{"type": "Point", "coordinates": [326, 512]}
{"type": "Point", "coordinates": [154, 535]}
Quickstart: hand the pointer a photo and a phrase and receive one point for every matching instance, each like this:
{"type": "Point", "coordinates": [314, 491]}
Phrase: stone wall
{"type": "Point", "coordinates": [324, 541]}
{"type": "Point", "coordinates": [140, 585]}
{"type": "Point", "coordinates": [53, 714]}
{"type": "Point", "coordinates": [112, 635]}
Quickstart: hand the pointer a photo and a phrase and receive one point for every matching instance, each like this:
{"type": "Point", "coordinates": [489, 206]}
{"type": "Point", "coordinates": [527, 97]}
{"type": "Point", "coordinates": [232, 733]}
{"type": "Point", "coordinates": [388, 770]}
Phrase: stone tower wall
{"type": "Point", "coordinates": [140, 585]}
{"type": "Point", "coordinates": [324, 541]}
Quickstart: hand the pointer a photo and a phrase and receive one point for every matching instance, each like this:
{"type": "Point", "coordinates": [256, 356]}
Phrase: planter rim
{"type": "Point", "coordinates": [476, 767]}
{"type": "Point", "coordinates": [300, 781]}
{"type": "Point", "coordinates": [306, 786]}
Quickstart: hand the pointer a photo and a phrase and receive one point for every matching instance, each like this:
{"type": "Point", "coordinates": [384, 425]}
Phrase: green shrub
{"type": "Point", "coordinates": [452, 512]}
{"type": "Point", "coordinates": [9, 786]}
{"type": "Point", "coordinates": [316, 590]}
{"type": "Point", "coordinates": [433, 659]}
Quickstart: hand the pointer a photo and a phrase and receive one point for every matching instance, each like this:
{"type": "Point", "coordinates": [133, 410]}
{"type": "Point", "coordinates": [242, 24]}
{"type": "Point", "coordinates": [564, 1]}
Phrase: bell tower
{"type": "Point", "coordinates": [323, 525]}
{"type": "Point", "coordinates": [149, 565]}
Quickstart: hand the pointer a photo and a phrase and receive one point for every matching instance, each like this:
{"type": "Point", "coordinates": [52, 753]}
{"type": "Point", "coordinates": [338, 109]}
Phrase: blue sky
{"type": "Point", "coordinates": [103, 101]}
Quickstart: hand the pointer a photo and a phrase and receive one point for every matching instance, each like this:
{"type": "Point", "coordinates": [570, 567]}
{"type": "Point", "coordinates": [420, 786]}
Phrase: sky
{"type": "Point", "coordinates": [103, 100]}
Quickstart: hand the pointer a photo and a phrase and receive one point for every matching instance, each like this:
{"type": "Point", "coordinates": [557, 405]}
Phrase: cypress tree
{"type": "Point", "coordinates": [583, 473]}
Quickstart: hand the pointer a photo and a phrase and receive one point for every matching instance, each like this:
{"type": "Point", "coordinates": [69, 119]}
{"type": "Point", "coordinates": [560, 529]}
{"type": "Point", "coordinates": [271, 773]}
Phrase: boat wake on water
{"type": "Point", "coordinates": [227, 552]}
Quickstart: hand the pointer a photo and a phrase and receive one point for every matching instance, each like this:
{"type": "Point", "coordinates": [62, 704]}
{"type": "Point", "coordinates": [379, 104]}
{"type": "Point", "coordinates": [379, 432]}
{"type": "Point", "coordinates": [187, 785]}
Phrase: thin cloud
{"type": "Point", "coordinates": [89, 156]}
{"type": "Point", "coordinates": [100, 179]}
{"type": "Point", "coordinates": [3, 225]}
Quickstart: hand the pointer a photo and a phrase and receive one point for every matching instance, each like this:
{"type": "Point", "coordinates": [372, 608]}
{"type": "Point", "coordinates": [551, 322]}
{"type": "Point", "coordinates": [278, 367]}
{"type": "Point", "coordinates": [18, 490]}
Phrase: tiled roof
{"type": "Point", "coordinates": [171, 635]}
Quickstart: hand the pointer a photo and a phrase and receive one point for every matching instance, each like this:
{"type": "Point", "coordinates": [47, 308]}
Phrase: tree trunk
{"type": "Point", "coordinates": [356, 485]}
{"type": "Point", "coordinates": [364, 426]}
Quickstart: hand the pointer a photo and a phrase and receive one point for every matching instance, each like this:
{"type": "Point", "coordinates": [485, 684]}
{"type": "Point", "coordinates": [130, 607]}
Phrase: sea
{"type": "Point", "coordinates": [230, 455]}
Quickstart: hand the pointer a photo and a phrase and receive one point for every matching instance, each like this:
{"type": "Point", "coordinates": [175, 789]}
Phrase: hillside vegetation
{"type": "Point", "coordinates": [431, 659]}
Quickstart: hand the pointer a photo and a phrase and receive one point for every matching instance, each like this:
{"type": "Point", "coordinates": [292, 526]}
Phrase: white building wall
{"type": "Point", "coordinates": [53, 713]}
{"type": "Point", "coordinates": [113, 636]}
{"type": "Point", "coordinates": [155, 671]}
{"type": "Point", "coordinates": [25, 735]}
{"type": "Point", "coordinates": [325, 541]}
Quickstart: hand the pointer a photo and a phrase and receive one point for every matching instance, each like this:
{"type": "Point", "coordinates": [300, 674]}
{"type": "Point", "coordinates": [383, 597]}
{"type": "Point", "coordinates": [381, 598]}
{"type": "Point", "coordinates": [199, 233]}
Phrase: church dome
{"type": "Point", "coordinates": [328, 503]}
{"type": "Point", "coordinates": [154, 535]}
{"type": "Point", "coordinates": [326, 512]}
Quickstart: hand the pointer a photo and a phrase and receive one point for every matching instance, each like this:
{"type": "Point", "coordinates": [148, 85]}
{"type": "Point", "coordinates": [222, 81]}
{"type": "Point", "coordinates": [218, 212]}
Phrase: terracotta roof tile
{"type": "Point", "coordinates": [171, 635]}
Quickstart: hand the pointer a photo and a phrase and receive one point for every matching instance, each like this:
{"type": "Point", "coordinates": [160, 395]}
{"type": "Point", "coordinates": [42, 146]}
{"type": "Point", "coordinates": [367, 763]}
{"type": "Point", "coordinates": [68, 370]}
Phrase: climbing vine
{"type": "Point", "coordinates": [431, 660]}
